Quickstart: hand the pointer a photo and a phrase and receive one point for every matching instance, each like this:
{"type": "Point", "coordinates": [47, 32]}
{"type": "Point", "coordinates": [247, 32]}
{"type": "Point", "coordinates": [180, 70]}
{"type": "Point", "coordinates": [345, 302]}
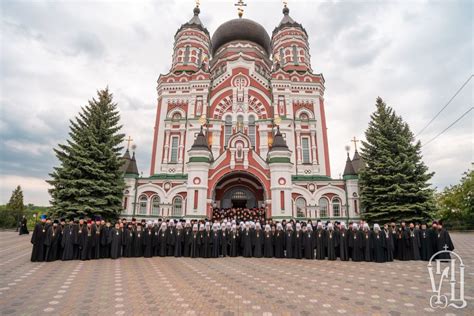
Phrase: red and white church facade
{"type": "Point", "coordinates": [240, 122]}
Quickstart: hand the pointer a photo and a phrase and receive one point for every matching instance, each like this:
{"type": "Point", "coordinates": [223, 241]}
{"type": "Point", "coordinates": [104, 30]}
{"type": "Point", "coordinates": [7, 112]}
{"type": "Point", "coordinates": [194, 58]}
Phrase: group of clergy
{"type": "Point", "coordinates": [239, 214]}
{"type": "Point", "coordinates": [85, 240]}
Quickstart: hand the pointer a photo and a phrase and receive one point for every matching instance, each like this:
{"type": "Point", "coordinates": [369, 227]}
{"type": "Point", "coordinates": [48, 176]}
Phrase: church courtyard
{"type": "Point", "coordinates": [225, 286]}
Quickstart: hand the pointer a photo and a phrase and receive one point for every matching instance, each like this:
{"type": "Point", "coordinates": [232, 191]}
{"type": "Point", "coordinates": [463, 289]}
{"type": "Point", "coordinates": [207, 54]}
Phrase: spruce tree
{"type": "Point", "coordinates": [394, 185]}
{"type": "Point", "coordinates": [88, 180]}
{"type": "Point", "coordinates": [15, 205]}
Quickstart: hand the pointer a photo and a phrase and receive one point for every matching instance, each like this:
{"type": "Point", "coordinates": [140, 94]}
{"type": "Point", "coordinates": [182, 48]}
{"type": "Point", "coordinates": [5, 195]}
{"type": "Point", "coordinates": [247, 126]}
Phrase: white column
{"type": "Point", "coordinates": [167, 139]}
{"type": "Point", "coordinates": [313, 147]}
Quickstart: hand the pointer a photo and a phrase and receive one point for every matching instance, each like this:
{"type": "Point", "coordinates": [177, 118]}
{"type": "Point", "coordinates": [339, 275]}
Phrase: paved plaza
{"type": "Point", "coordinates": [228, 286]}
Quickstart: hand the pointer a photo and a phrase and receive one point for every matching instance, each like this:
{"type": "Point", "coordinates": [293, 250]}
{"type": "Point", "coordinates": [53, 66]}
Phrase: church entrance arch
{"type": "Point", "coordinates": [239, 189]}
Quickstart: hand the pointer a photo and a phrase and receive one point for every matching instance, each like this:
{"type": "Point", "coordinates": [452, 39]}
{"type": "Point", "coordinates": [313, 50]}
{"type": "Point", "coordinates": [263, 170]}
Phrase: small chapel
{"type": "Point", "coordinates": [241, 125]}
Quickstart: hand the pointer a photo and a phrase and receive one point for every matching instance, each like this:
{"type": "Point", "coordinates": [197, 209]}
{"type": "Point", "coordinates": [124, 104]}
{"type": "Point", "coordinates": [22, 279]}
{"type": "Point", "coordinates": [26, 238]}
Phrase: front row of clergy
{"type": "Point", "coordinates": [95, 240]}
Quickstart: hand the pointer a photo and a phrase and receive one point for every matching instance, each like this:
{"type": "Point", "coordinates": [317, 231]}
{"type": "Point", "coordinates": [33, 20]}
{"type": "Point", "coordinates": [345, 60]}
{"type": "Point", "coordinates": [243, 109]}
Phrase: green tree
{"type": "Point", "coordinates": [15, 205]}
{"type": "Point", "coordinates": [394, 184]}
{"type": "Point", "coordinates": [88, 180]}
{"type": "Point", "coordinates": [455, 203]}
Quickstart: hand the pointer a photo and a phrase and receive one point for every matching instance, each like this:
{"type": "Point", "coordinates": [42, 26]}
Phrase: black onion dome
{"type": "Point", "coordinates": [241, 29]}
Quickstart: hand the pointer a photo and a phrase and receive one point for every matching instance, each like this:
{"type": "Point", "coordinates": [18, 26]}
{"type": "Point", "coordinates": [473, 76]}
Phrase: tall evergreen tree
{"type": "Point", "coordinates": [394, 185]}
{"type": "Point", "coordinates": [15, 205]}
{"type": "Point", "coordinates": [88, 180]}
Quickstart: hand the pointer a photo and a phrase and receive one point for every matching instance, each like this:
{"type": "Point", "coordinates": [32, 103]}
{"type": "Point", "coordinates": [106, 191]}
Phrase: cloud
{"type": "Point", "coordinates": [55, 55]}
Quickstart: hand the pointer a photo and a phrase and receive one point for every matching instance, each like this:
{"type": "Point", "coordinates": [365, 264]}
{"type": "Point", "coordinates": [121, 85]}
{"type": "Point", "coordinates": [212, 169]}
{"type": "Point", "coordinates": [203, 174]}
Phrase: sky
{"type": "Point", "coordinates": [56, 54]}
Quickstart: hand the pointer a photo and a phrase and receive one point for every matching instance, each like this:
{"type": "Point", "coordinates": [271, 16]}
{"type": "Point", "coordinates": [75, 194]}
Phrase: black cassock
{"type": "Point", "coordinates": [389, 246]}
{"type": "Point", "coordinates": [426, 245]}
{"type": "Point", "coordinates": [343, 244]}
{"type": "Point", "coordinates": [268, 245]}
{"type": "Point", "coordinates": [67, 242]}
{"type": "Point", "coordinates": [224, 242]}
{"type": "Point", "coordinates": [367, 245]}
{"type": "Point", "coordinates": [51, 242]}
{"type": "Point", "coordinates": [403, 245]}
{"type": "Point", "coordinates": [298, 245]}
{"type": "Point", "coordinates": [194, 244]}
{"type": "Point", "coordinates": [162, 243]}
{"type": "Point", "coordinates": [258, 244]}
{"type": "Point", "coordinates": [378, 242]}
{"type": "Point", "coordinates": [234, 244]}
{"type": "Point", "coordinates": [279, 244]}
{"type": "Point", "coordinates": [308, 244]}
{"type": "Point", "coordinates": [246, 243]}
{"type": "Point", "coordinates": [78, 240]}
{"type": "Point", "coordinates": [37, 239]}
{"type": "Point", "coordinates": [171, 239]}
{"type": "Point", "coordinates": [96, 242]}
{"type": "Point", "coordinates": [206, 244]}
{"type": "Point", "coordinates": [320, 236]}
{"type": "Point", "coordinates": [415, 244]}
{"type": "Point", "coordinates": [187, 242]}
{"type": "Point", "coordinates": [137, 246]}
{"type": "Point", "coordinates": [331, 244]}
{"type": "Point", "coordinates": [127, 243]}
{"type": "Point", "coordinates": [178, 243]}
{"type": "Point", "coordinates": [289, 243]}
{"type": "Point", "coordinates": [148, 242]}
{"type": "Point", "coordinates": [155, 245]}
{"type": "Point", "coordinates": [115, 243]}
{"type": "Point", "coordinates": [23, 227]}
{"type": "Point", "coordinates": [104, 242]}
{"type": "Point", "coordinates": [356, 243]}
{"type": "Point", "coordinates": [215, 242]}
{"type": "Point", "coordinates": [443, 240]}
{"type": "Point", "coordinates": [85, 243]}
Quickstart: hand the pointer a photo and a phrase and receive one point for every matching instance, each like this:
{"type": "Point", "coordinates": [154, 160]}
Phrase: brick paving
{"type": "Point", "coordinates": [225, 286]}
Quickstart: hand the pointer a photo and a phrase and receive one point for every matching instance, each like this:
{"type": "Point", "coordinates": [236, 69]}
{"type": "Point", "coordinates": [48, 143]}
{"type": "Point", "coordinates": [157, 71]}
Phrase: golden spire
{"type": "Point", "coordinates": [128, 140]}
{"type": "Point", "coordinates": [240, 10]}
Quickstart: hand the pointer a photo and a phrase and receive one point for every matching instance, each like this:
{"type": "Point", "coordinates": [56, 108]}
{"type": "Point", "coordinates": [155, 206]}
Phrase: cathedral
{"type": "Point", "coordinates": [240, 124]}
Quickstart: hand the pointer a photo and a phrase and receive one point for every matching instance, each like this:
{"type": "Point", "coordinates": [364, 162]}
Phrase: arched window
{"type": "Point", "coordinates": [177, 206]}
{"type": "Point", "coordinates": [227, 130]}
{"type": "Point", "coordinates": [305, 150]}
{"type": "Point", "coordinates": [174, 149]}
{"type": "Point", "coordinates": [186, 55]}
{"type": "Point", "coordinates": [176, 116]}
{"type": "Point", "coordinates": [239, 195]}
{"type": "Point", "coordinates": [240, 123]}
{"type": "Point", "coordinates": [143, 205]}
{"type": "Point", "coordinates": [336, 207]}
{"type": "Point", "coordinates": [155, 205]}
{"type": "Point", "coordinates": [252, 130]}
{"type": "Point", "coordinates": [300, 207]}
{"type": "Point", "coordinates": [282, 56]}
{"type": "Point", "coordinates": [323, 207]}
{"type": "Point", "coordinates": [295, 55]}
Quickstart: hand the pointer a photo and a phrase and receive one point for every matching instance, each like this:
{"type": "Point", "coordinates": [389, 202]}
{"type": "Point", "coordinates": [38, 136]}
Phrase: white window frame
{"type": "Point", "coordinates": [142, 208]}
{"type": "Point", "coordinates": [306, 150]}
{"type": "Point", "coordinates": [174, 148]}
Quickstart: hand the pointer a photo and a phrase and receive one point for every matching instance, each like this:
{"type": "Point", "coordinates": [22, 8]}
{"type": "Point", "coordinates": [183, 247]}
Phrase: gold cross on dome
{"type": "Point", "coordinates": [285, 3]}
{"type": "Point", "coordinates": [198, 2]}
{"type": "Point", "coordinates": [240, 10]}
{"type": "Point", "coordinates": [355, 141]}
{"type": "Point", "coordinates": [128, 140]}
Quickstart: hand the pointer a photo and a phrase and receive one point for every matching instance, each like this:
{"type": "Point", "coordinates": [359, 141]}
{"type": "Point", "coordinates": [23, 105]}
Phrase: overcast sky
{"type": "Point", "coordinates": [55, 54]}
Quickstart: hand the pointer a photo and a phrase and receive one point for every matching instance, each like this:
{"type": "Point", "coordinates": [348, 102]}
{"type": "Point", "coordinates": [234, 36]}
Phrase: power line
{"type": "Point", "coordinates": [458, 119]}
{"type": "Point", "coordinates": [452, 98]}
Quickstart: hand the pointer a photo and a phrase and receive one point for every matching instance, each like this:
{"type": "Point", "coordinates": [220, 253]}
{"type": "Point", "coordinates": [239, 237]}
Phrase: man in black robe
{"type": "Point", "coordinates": [106, 229]}
{"type": "Point", "coordinates": [426, 249]}
{"type": "Point", "coordinates": [187, 239]}
{"type": "Point", "coordinates": [246, 241]}
{"type": "Point", "coordinates": [279, 242]}
{"type": "Point", "coordinates": [80, 227]}
{"type": "Point", "coordinates": [96, 239]}
{"type": "Point", "coordinates": [356, 243]}
{"type": "Point", "coordinates": [51, 242]}
{"type": "Point", "coordinates": [127, 251]}
{"type": "Point", "coordinates": [194, 242]}
{"type": "Point", "coordinates": [331, 242]}
{"type": "Point", "coordinates": [206, 241]}
{"type": "Point", "coordinates": [394, 233]}
{"type": "Point", "coordinates": [443, 242]}
{"type": "Point", "coordinates": [155, 233]}
{"type": "Point", "coordinates": [115, 241]}
{"type": "Point", "coordinates": [308, 241]}
{"type": "Point", "coordinates": [268, 242]}
{"type": "Point", "coordinates": [137, 247]}
{"type": "Point", "coordinates": [215, 241]}
{"type": "Point", "coordinates": [171, 238]}
{"type": "Point", "coordinates": [298, 242]}
{"type": "Point", "coordinates": [378, 242]}
{"type": "Point", "coordinates": [258, 241]}
{"type": "Point", "coordinates": [320, 238]}
{"type": "Point", "coordinates": [85, 241]}
{"type": "Point", "coordinates": [178, 240]}
{"type": "Point", "coordinates": [62, 226]}
{"type": "Point", "coordinates": [388, 235]}
{"type": "Point", "coordinates": [23, 226]}
{"type": "Point", "coordinates": [415, 243]}
{"type": "Point", "coordinates": [289, 241]}
{"type": "Point", "coordinates": [163, 240]}
{"type": "Point", "coordinates": [342, 237]}
{"type": "Point", "coordinates": [367, 245]}
{"type": "Point", "coordinates": [405, 252]}
{"type": "Point", "coordinates": [150, 241]}
{"type": "Point", "coordinates": [37, 239]}
{"type": "Point", "coordinates": [67, 242]}
{"type": "Point", "coordinates": [224, 238]}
